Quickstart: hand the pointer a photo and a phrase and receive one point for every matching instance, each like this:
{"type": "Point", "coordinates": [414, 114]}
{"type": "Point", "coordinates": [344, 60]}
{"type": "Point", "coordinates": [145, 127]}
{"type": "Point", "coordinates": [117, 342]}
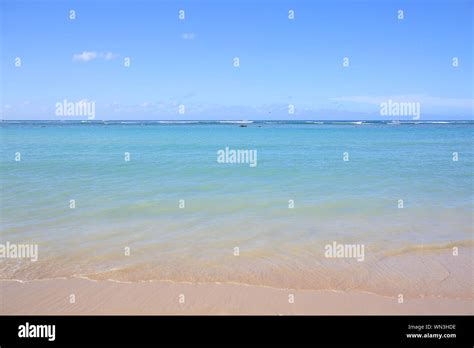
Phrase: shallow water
{"type": "Point", "coordinates": [135, 204]}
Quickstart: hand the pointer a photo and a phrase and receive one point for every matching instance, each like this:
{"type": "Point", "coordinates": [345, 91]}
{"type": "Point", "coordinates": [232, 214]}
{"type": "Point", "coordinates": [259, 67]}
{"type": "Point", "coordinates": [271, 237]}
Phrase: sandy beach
{"type": "Point", "coordinates": [52, 297]}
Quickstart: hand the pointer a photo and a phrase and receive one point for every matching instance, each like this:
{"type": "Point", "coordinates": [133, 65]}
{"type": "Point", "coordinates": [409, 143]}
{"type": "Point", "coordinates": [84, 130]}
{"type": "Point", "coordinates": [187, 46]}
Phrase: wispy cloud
{"type": "Point", "coordinates": [188, 36]}
{"type": "Point", "coordinates": [108, 55]}
{"type": "Point", "coordinates": [84, 56]}
{"type": "Point", "coordinates": [87, 56]}
{"type": "Point", "coordinates": [425, 100]}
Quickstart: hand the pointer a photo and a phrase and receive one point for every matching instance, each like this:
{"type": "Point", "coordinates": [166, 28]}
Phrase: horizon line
{"type": "Point", "coordinates": [237, 120]}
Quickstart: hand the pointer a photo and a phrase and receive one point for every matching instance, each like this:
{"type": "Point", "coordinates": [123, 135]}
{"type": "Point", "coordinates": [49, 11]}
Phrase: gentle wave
{"type": "Point", "coordinates": [429, 247]}
{"type": "Point", "coordinates": [227, 122]}
{"type": "Point", "coordinates": [178, 122]}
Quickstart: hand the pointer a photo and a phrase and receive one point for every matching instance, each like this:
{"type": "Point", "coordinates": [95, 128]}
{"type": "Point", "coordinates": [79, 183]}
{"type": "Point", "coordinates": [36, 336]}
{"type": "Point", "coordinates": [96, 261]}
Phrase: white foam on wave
{"type": "Point", "coordinates": [236, 122]}
{"type": "Point", "coordinates": [179, 122]}
{"type": "Point", "coordinates": [430, 122]}
{"type": "Point", "coordinates": [348, 122]}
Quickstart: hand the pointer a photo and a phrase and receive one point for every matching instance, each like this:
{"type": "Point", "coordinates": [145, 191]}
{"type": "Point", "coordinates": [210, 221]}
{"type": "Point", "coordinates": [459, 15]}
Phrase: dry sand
{"type": "Point", "coordinates": [50, 297]}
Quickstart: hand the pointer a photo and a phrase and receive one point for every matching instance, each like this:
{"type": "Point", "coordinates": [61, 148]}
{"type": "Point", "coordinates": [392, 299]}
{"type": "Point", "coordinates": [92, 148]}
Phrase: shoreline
{"type": "Point", "coordinates": [106, 297]}
{"type": "Point", "coordinates": [414, 272]}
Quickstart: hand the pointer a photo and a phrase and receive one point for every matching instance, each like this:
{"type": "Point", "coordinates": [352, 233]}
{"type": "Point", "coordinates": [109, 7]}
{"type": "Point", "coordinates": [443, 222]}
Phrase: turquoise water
{"type": "Point", "coordinates": [136, 203]}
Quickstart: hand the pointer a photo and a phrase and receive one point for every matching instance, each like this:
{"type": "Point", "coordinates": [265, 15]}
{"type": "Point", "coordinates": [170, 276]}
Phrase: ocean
{"type": "Point", "coordinates": [149, 200]}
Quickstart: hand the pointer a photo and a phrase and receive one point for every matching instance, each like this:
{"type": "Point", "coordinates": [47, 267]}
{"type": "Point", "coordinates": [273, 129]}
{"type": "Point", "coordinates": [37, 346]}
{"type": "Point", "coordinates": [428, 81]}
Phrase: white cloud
{"type": "Point", "coordinates": [87, 56]}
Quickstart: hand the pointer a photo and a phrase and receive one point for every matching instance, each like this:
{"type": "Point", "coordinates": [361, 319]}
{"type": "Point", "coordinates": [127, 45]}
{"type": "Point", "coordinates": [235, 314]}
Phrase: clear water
{"type": "Point", "coordinates": [135, 204]}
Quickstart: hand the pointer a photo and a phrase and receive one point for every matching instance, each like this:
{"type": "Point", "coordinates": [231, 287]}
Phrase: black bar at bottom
{"type": "Point", "coordinates": [224, 330]}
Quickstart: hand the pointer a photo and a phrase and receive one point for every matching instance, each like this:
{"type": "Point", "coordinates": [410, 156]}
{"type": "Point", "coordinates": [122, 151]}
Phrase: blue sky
{"type": "Point", "coordinates": [190, 62]}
